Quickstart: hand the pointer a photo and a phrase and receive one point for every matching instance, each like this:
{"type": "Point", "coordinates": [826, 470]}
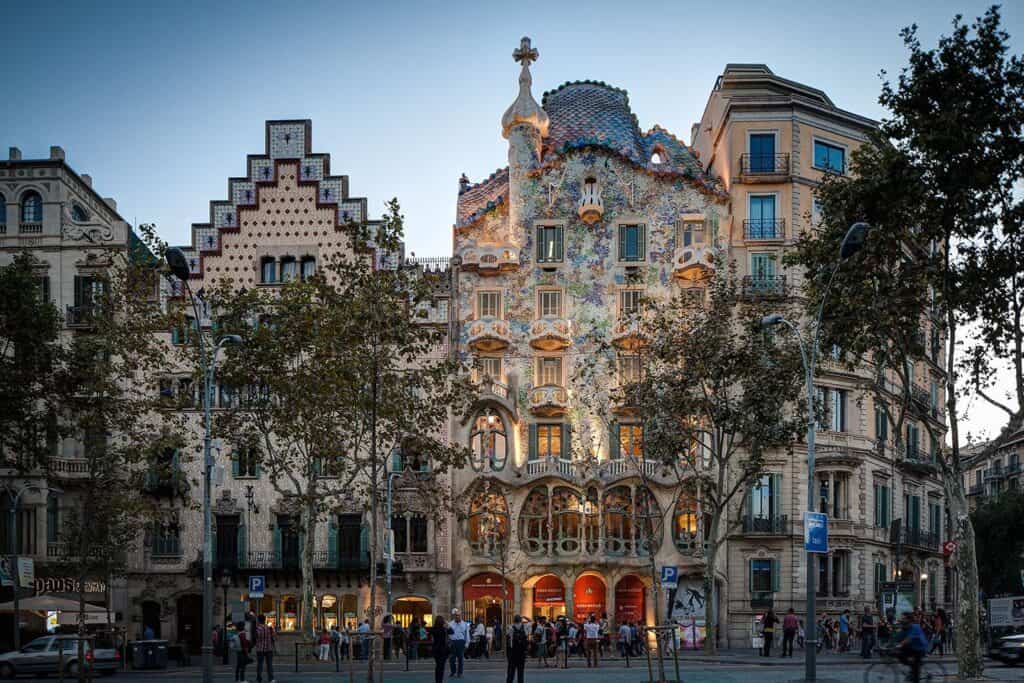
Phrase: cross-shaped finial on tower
{"type": "Point", "coordinates": [525, 54]}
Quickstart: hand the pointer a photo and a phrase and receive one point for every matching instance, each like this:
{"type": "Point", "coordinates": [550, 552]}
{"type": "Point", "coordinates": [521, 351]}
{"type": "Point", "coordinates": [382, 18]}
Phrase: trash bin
{"type": "Point", "coordinates": [149, 654]}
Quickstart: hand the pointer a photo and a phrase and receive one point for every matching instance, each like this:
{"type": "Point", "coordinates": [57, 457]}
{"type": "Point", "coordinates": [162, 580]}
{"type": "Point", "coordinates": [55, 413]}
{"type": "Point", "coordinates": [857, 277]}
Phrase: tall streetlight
{"type": "Point", "coordinates": [178, 264]}
{"type": "Point", "coordinates": [852, 242]}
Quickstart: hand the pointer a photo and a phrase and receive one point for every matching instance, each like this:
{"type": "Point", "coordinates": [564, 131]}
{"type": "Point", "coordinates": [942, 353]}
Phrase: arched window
{"type": "Point", "coordinates": [534, 528]}
{"type": "Point", "coordinates": [685, 529]}
{"type": "Point", "coordinates": [488, 523]}
{"type": "Point", "coordinates": [648, 513]}
{"type": "Point", "coordinates": [567, 518]}
{"type": "Point", "coordinates": [308, 267]}
{"type": "Point", "coordinates": [618, 521]}
{"type": "Point", "coordinates": [488, 442]}
{"type": "Point", "coordinates": [657, 158]}
{"type": "Point", "coordinates": [31, 207]}
{"type": "Point", "coordinates": [78, 214]}
{"type": "Point", "coordinates": [289, 269]}
{"type": "Point", "coordinates": [329, 611]}
{"type": "Point", "coordinates": [268, 270]}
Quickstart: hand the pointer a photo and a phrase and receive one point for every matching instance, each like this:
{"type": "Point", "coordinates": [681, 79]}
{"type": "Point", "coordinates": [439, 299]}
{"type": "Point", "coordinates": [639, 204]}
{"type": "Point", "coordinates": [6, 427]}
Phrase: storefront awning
{"type": "Point", "coordinates": [49, 603]}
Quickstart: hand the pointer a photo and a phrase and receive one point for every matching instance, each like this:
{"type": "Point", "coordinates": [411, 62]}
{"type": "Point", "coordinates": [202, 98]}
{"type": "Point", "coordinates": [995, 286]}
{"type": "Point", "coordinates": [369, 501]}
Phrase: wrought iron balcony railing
{"type": "Point", "coordinates": [764, 228]}
{"type": "Point", "coordinates": [777, 524]}
{"type": "Point", "coordinates": [760, 285]}
{"type": "Point", "coordinates": [764, 164]}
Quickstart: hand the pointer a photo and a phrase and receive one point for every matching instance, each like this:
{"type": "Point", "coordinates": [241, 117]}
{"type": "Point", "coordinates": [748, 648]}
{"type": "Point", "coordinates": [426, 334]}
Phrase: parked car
{"type": "Point", "coordinates": [1010, 650]}
{"type": "Point", "coordinates": [43, 656]}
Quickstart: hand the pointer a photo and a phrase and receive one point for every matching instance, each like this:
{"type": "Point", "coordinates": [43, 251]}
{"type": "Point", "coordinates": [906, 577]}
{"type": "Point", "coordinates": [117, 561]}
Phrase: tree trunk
{"type": "Point", "coordinates": [970, 661]}
{"type": "Point", "coordinates": [710, 588]}
{"type": "Point", "coordinates": [81, 625]}
{"type": "Point", "coordinates": [307, 518]}
{"type": "Point", "coordinates": [655, 585]}
{"type": "Point", "coordinates": [371, 611]}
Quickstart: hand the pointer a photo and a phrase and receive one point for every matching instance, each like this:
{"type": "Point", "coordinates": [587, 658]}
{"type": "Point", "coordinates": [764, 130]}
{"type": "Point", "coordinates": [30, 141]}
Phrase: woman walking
{"type": "Point", "coordinates": [240, 644]}
{"type": "Point", "coordinates": [439, 636]}
{"type": "Point", "coordinates": [768, 631]}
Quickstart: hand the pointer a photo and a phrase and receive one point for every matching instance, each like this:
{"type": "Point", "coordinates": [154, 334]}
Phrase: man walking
{"type": "Point", "coordinates": [790, 625]}
{"type": "Point", "coordinates": [625, 640]}
{"type": "Point", "coordinates": [591, 640]}
{"type": "Point", "coordinates": [867, 633]}
{"type": "Point", "coordinates": [518, 644]}
{"type": "Point", "coordinates": [265, 640]}
{"type": "Point", "coordinates": [844, 631]}
{"type": "Point", "coordinates": [459, 632]}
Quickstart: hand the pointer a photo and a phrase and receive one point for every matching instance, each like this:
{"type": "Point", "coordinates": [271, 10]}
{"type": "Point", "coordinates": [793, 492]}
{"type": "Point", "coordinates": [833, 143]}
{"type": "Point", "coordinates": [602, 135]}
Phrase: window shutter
{"type": "Point", "coordinates": [318, 466]}
{"type": "Point", "coordinates": [885, 505]}
{"type": "Point", "coordinates": [79, 290]}
{"type": "Point", "coordinates": [277, 545]}
{"type": "Point", "coordinates": [750, 503]}
{"type": "Point", "coordinates": [750, 575]}
{"type": "Point", "coordinates": [240, 544]}
{"type": "Point", "coordinates": [776, 576]}
{"type": "Point", "coordinates": [396, 460]}
{"type": "Point", "coordinates": [235, 465]}
{"type": "Point", "coordinates": [540, 243]}
{"type": "Point", "coordinates": [532, 455]}
{"type": "Point", "coordinates": [559, 244]}
{"type": "Point", "coordinates": [566, 441]}
{"type": "Point", "coordinates": [622, 242]}
{"type": "Point", "coordinates": [614, 449]}
{"type": "Point", "coordinates": [332, 543]}
{"type": "Point", "coordinates": [364, 541]}
{"type": "Point", "coordinates": [642, 241]}
{"type": "Point", "coordinates": [776, 493]}
{"type": "Point", "coordinates": [878, 506]}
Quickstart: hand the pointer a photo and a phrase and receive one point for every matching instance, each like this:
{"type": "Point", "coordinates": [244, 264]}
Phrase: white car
{"type": "Point", "coordinates": [43, 656]}
{"type": "Point", "coordinates": [1011, 650]}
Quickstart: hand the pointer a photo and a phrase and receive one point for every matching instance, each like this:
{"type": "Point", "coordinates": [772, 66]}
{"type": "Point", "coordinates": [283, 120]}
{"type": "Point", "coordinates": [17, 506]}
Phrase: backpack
{"type": "Point", "coordinates": [519, 642]}
{"type": "Point", "coordinates": [234, 643]}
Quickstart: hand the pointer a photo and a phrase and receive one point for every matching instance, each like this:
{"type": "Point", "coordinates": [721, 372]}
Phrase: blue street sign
{"type": "Point", "coordinates": [816, 532]}
{"type": "Point", "coordinates": [669, 577]}
{"type": "Point", "coordinates": [256, 586]}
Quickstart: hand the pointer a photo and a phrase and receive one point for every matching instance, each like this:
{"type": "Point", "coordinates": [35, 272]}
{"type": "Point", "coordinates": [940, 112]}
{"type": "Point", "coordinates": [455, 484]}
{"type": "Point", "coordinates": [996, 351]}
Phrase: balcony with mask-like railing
{"type": "Point", "coordinates": [763, 168]}
{"type": "Point", "coordinates": [694, 257]}
{"type": "Point", "coordinates": [488, 334]}
{"type": "Point", "coordinates": [490, 259]}
{"type": "Point", "coordinates": [627, 333]}
{"type": "Point", "coordinates": [549, 400]}
{"type": "Point", "coordinates": [550, 334]}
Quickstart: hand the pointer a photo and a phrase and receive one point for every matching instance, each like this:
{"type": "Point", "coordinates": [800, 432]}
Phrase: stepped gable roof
{"type": "Point", "coordinates": [595, 114]}
{"type": "Point", "coordinates": [476, 200]}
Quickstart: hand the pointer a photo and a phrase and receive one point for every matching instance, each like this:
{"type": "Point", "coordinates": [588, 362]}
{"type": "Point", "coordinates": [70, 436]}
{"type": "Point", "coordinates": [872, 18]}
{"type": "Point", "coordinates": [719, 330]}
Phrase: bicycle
{"type": "Point", "coordinates": [891, 669]}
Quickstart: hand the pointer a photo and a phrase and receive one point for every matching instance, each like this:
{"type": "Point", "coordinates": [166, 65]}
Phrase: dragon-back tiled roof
{"type": "Point", "coordinates": [476, 200]}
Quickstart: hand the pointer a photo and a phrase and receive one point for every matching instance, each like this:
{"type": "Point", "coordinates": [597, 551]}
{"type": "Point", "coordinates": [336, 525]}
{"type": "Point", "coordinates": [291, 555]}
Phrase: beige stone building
{"type": "Point", "coordinates": [52, 212]}
{"type": "Point", "coordinates": [770, 140]}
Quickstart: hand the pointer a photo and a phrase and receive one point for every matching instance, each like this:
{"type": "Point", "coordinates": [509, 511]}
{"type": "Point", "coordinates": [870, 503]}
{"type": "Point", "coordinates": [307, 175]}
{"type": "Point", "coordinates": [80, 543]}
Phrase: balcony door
{"type": "Point", "coordinates": [762, 152]}
{"type": "Point", "coordinates": [289, 542]}
{"type": "Point", "coordinates": [227, 542]}
{"type": "Point", "coordinates": [762, 217]}
{"type": "Point", "coordinates": [350, 529]}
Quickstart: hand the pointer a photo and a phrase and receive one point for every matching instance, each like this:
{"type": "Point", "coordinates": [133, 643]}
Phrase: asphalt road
{"type": "Point", "coordinates": [612, 672]}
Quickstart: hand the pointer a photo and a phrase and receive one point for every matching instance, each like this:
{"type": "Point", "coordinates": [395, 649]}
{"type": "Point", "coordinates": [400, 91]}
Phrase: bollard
{"type": "Point", "coordinates": [675, 656]}
{"type": "Point", "coordinates": [650, 668]}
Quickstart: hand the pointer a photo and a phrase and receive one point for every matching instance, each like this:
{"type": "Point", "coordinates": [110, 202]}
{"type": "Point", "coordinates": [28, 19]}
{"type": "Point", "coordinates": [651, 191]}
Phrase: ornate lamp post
{"type": "Point", "coordinates": [178, 264]}
{"type": "Point", "coordinates": [852, 242]}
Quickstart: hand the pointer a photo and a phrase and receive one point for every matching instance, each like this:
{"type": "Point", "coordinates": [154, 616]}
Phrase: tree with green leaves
{"type": "Point", "coordinates": [30, 352]}
{"type": "Point", "coordinates": [1000, 543]}
{"type": "Point", "coordinates": [936, 183]}
{"type": "Point", "coordinates": [338, 377]}
{"type": "Point", "coordinates": [719, 397]}
{"type": "Point", "coordinates": [107, 391]}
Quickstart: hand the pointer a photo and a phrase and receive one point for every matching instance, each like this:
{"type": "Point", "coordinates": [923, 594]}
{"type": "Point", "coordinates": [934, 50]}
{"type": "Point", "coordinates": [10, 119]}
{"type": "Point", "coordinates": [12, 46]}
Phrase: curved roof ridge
{"type": "Point", "coordinates": [586, 81]}
{"type": "Point", "coordinates": [471, 186]}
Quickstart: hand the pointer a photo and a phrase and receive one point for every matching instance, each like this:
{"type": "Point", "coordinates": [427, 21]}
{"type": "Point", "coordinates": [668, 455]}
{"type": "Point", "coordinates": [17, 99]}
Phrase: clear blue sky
{"type": "Point", "coordinates": [160, 102]}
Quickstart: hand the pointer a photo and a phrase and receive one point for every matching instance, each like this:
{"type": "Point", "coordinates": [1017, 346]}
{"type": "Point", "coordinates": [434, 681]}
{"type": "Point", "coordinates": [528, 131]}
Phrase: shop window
{"type": "Point", "coordinates": [289, 613]}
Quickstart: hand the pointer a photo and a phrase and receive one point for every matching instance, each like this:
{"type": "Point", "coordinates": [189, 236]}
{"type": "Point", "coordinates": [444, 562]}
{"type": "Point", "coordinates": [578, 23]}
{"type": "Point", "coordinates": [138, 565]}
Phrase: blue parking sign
{"type": "Point", "coordinates": [669, 577]}
{"type": "Point", "coordinates": [816, 532]}
{"type": "Point", "coordinates": [256, 586]}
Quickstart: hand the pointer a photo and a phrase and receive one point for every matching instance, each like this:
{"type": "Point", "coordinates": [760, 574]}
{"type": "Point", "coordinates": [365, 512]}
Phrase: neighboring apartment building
{"type": "Point", "coordinates": [988, 474]}
{"type": "Point", "coordinates": [554, 254]}
{"type": "Point", "coordinates": [52, 212]}
{"type": "Point", "coordinates": [280, 222]}
{"type": "Point", "coordinates": [771, 140]}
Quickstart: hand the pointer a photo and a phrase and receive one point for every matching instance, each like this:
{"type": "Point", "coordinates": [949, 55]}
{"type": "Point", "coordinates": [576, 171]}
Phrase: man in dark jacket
{"type": "Point", "coordinates": [518, 644]}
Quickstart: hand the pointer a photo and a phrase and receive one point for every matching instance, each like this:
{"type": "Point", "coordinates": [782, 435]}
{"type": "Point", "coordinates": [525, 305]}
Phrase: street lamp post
{"type": "Point", "coordinates": [389, 559]}
{"type": "Point", "coordinates": [13, 526]}
{"type": "Point", "coordinates": [178, 264]}
{"type": "Point", "coordinates": [852, 242]}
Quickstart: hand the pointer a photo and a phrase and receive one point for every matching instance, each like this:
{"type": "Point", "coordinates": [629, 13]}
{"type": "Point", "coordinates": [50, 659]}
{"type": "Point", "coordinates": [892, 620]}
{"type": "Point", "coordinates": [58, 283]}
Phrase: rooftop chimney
{"type": "Point", "coordinates": [110, 202]}
{"type": "Point", "coordinates": [87, 179]}
{"type": "Point", "coordinates": [56, 153]}
{"type": "Point", "coordinates": [14, 154]}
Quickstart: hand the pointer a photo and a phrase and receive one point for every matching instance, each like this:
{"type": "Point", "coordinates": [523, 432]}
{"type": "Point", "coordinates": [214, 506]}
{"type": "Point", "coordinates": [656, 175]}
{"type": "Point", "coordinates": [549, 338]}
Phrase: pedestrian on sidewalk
{"type": "Point", "coordinates": [414, 639]}
{"type": "Point", "coordinates": [625, 640]}
{"type": "Point", "coordinates": [335, 642]}
{"type": "Point", "coordinates": [239, 644]}
{"type": "Point", "coordinates": [542, 636]}
{"type": "Point", "coordinates": [801, 635]}
{"type": "Point", "coordinates": [518, 645]}
{"type": "Point", "coordinates": [458, 631]}
{"type": "Point", "coordinates": [867, 633]}
{"type": "Point", "coordinates": [387, 633]}
{"type": "Point", "coordinates": [325, 646]}
{"type": "Point", "coordinates": [768, 631]}
{"type": "Point", "coordinates": [844, 631]}
{"type": "Point", "coordinates": [592, 641]}
{"type": "Point", "coordinates": [265, 641]}
{"type": "Point", "coordinates": [790, 625]}
{"type": "Point", "coordinates": [439, 636]}
{"type": "Point", "coordinates": [939, 632]}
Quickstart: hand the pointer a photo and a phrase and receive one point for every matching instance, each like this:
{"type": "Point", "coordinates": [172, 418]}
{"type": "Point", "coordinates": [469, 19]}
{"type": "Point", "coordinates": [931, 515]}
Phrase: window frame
{"type": "Point", "coordinates": [541, 376]}
{"type": "Point", "coordinates": [478, 303]}
{"type": "Point", "coordinates": [776, 230]}
{"type": "Point", "coordinates": [826, 142]}
{"type": "Point", "coordinates": [620, 302]}
{"type": "Point", "coordinates": [30, 193]}
{"type": "Point", "coordinates": [774, 133]}
{"type": "Point", "coordinates": [620, 242]}
{"type": "Point", "coordinates": [542, 292]}
{"type": "Point", "coordinates": [272, 262]}
{"type": "Point", "coordinates": [557, 230]}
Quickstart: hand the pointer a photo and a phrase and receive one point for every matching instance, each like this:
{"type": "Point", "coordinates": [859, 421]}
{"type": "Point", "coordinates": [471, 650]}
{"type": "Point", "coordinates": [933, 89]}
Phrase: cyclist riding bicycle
{"type": "Point", "coordinates": [912, 645]}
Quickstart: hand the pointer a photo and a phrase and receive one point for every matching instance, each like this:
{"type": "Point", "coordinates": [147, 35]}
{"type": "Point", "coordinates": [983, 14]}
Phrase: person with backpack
{"type": "Point", "coordinates": [439, 636]}
{"type": "Point", "coordinates": [913, 644]}
{"type": "Point", "coordinates": [518, 644]}
{"type": "Point", "coordinates": [239, 644]}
